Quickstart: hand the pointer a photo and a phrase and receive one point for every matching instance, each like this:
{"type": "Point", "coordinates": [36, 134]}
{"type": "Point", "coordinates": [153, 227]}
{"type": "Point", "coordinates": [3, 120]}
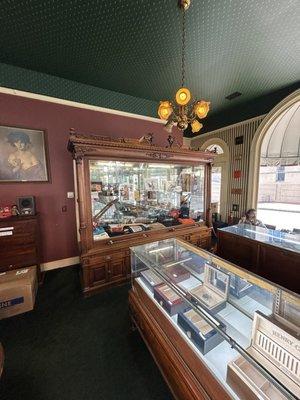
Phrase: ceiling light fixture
{"type": "Point", "coordinates": [182, 114]}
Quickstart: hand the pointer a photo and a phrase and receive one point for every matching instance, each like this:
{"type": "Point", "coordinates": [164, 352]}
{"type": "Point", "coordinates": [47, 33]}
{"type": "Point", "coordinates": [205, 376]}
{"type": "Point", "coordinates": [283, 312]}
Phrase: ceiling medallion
{"type": "Point", "coordinates": [182, 113]}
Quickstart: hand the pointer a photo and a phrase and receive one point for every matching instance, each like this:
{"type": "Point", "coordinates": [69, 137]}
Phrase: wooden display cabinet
{"type": "Point", "coordinates": [123, 177]}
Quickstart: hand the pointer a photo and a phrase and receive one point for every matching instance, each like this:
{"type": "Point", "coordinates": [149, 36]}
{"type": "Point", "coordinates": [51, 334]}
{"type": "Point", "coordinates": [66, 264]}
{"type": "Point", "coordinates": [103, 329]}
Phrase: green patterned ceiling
{"type": "Point", "coordinates": [133, 46]}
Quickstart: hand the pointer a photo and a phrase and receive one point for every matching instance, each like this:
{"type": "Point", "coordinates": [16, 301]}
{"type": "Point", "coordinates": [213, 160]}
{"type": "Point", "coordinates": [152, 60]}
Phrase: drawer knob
{"type": "Point", "coordinates": [145, 235]}
{"type": "Point", "coordinates": [108, 257]}
{"type": "Point", "coordinates": [110, 242]}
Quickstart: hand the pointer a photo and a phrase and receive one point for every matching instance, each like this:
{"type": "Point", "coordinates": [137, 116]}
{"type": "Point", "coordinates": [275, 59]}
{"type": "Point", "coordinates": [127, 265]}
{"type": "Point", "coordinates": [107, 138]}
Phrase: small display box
{"type": "Point", "coordinates": [239, 287]}
{"type": "Point", "coordinates": [204, 336]}
{"type": "Point", "coordinates": [150, 278]}
{"type": "Point", "coordinates": [195, 263]}
{"type": "Point", "coordinates": [210, 294]}
{"type": "Point", "coordinates": [169, 299]}
{"type": "Point", "coordinates": [177, 273]}
{"type": "Point", "coordinates": [277, 349]}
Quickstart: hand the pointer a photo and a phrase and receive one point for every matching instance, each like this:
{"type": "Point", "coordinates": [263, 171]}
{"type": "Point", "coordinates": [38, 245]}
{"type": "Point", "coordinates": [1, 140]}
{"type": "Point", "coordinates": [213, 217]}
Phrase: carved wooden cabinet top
{"type": "Point", "coordinates": [135, 149]}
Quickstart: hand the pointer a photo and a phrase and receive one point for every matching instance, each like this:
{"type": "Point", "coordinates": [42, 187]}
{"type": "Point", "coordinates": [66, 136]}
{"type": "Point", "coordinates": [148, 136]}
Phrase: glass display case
{"type": "Point", "coordinates": [129, 197]}
{"type": "Point", "coordinates": [283, 240]}
{"type": "Point", "coordinates": [131, 191]}
{"type": "Point", "coordinates": [246, 330]}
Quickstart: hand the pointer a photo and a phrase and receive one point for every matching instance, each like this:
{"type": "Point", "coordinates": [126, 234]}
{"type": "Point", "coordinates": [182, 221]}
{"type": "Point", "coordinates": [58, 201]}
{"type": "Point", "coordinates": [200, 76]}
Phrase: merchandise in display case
{"type": "Point", "coordinates": [248, 348]}
{"type": "Point", "coordinates": [266, 252]}
{"type": "Point", "coordinates": [239, 287]}
{"type": "Point", "coordinates": [150, 278]}
{"type": "Point", "coordinates": [177, 273]}
{"type": "Point", "coordinates": [131, 192]}
{"type": "Point", "coordinates": [277, 348]}
{"type": "Point", "coordinates": [203, 335]}
{"type": "Point", "coordinates": [169, 299]}
{"type": "Point", "coordinates": [212, 295]}
{"type": "Point", "coordinates": [128, 197]}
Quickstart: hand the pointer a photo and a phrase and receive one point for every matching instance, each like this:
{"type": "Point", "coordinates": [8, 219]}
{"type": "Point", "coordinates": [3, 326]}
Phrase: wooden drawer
{"type": "Point", "coordinates": [16, 240]}
{"type": "Point", "coordinates": [27, 227]}
{"type": "Point", "coordinates": [25, 257]}
{"type": "Point", "coordinates": [21, 249]}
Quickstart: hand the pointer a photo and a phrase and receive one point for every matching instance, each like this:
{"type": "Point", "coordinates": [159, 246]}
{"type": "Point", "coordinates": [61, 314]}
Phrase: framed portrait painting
{"type": "Point", "coordinates": [23, 155]}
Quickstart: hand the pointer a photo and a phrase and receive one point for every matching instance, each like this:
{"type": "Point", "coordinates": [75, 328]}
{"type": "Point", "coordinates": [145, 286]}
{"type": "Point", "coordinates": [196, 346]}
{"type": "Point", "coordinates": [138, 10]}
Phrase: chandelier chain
{"type": "Point", "coordinates": [183, 49]}
{"type": "Point", "coordinates": [186, 111]}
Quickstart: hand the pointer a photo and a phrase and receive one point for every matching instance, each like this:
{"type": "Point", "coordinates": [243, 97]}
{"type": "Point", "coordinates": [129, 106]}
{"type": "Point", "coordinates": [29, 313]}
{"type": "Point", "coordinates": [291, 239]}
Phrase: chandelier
{"type": "Point", "coordinates": [183, 113]}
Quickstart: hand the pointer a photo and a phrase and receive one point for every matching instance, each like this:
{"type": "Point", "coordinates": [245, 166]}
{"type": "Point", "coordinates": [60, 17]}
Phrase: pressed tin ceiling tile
{"type": "Point", "coordinates": [134, 46]}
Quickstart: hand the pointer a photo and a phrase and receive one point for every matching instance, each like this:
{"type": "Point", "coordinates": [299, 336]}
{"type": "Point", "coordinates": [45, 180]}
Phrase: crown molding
{"type": "Point", "coordinates": [69, 103]}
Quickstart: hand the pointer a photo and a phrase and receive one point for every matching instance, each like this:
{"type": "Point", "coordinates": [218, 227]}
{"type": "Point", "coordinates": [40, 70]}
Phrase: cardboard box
{"type": "Point", "coordinates": [17, 291]}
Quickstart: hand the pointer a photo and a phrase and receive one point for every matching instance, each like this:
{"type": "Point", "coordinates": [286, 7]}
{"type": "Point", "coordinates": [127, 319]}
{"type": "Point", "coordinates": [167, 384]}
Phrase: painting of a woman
{"type": "Point", "coordinates": [22, 155]}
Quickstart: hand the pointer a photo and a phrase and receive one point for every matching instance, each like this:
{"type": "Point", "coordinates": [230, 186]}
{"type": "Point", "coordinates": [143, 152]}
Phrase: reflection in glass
{"type": "Point", "coordinates": [129, 197]}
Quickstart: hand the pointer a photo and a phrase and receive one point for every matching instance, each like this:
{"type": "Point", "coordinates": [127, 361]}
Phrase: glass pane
{"type": "Point", "coordinates": [232, 300]}
{"type": "Point", "coordinates": [232, 324]}
{"type": "Point", "coordinates": [279, 196]}
{"type": "Point", "coordinates": [129, 197]}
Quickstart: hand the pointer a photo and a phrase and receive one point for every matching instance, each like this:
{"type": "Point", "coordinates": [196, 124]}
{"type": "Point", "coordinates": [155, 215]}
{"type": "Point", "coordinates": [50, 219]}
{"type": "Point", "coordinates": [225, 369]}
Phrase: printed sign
{"type": "Point", "coordinates": [12, 302]}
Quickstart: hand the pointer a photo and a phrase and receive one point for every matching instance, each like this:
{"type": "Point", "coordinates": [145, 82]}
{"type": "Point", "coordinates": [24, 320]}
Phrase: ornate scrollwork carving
{"type": "Point", "coordinates": [160, 156]}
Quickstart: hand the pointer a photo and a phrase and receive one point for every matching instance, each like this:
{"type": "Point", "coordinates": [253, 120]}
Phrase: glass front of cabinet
{"type": "Point", "coordinates": [283, 240]}
{"type": "Point", "coordinates": [246, 329]}
{"type": "Point", "coordinates": [129, 197]}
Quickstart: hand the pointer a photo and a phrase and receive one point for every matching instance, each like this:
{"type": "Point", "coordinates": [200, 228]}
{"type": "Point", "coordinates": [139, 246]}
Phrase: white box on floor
{"type": "Point", "coordinates": [17, 291]}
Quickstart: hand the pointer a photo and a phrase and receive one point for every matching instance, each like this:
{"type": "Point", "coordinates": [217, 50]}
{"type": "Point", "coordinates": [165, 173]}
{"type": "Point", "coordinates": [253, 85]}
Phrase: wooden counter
{"type": "Point", "coordinates": [279, 265]}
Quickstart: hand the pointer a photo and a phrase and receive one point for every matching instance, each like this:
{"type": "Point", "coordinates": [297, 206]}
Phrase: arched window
{"type": "Point", "coordinates": [278, 200]}
{"type": "Point", "coordinates": [219, 177]}
{"type": "Point", "coordinates": [215, 148]}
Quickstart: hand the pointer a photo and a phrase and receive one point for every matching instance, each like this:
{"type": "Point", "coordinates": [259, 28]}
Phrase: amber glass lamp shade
{"type": "Point", "coordinates": [183, 96]}
{"type": "Point", "coordinates": [196, 126]}
{"type": "Point", "coordinates": [201, 108]}
{"type": "Point", "coordinates": [165, 109]}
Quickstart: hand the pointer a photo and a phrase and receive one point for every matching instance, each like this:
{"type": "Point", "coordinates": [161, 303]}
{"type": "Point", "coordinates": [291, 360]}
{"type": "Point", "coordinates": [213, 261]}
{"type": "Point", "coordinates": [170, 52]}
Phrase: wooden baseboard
{"type": "Point", "coordinates": [65, 262]}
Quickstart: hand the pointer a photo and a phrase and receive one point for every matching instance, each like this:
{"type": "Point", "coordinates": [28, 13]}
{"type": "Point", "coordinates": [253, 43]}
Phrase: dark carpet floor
{"type": "Point", "coordinates": [71, 348]}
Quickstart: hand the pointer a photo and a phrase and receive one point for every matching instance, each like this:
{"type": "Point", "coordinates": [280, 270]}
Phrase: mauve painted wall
{"type": "Point", "coordinates": [58, 229]}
